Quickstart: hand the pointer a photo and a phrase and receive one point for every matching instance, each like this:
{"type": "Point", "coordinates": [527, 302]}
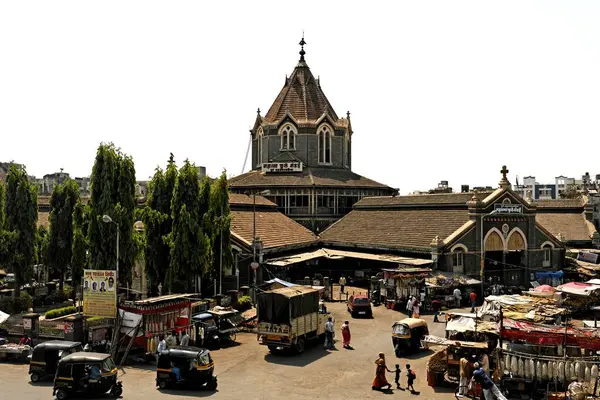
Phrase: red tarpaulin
{"type": "Point", "coordinates": [587, 338]}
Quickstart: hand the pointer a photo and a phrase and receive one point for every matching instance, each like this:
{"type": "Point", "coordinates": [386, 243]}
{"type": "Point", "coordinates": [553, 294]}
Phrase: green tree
{"type": "Point", "coordinates": [112, 194]}
{"type": "Point", "coordinates": [78, 255]}
{"type": "Point", "coordinates": [190, 247]}
{"type": "Point", "coordinates": [20, 211]}
{"type": "Point", "coordinates": [571, 192]}
{"type": "Point", "coordinates": [60, 247]}
{"type": "Point", "coordinates": [220, 227]}
{"type": "Point", "coordinates": [158, 223]}
{"type": "Point", "coordinates": [41, 248]}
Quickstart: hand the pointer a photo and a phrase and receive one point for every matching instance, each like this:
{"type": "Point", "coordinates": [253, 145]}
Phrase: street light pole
{"type": "Point", "coordinates": [108, 220]}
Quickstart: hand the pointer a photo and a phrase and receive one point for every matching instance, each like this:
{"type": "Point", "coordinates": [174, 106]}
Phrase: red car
{"type": "Point", "coordinates": [360, 305]}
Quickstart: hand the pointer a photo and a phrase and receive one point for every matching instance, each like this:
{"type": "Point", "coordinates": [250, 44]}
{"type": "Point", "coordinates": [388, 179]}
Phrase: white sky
{"type": "Point", "coordinates": [437, 90]}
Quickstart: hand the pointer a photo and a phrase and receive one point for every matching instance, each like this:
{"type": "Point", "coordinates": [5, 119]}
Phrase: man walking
{"type": "Point", "coordinates": [465, 374]}
{"type": "Point", "coordinates": [342, 283]}
{"type": "Point", "coordinates": [329, 329]}
{"type": "Point", "coordinates": [489, 387]}
{"type": "Point", "coordinates": [473, 298]}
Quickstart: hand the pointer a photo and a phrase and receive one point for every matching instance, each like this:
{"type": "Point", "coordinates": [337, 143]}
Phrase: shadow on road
{"type": "Point", "coordinates": [186, 392]}
{"type": "Point", "coordinates": [44, 383]}
{"type": "Point", "coordinates": [418, 355]}
{"type": "Point", "coordinates": [297, 360]}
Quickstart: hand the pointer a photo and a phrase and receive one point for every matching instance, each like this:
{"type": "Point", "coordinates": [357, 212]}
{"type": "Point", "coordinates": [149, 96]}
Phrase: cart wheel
{"type": "Point", "coordinates": [61, 394]}
{"type": "Point", "coordinates": [34, 377]}
{"type": "Point", "coordinates": [162, 384]}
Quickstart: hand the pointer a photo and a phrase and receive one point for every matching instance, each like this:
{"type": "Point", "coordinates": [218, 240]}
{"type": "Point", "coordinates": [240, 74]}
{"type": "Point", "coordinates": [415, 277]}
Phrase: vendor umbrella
{"type": "Point", "coordinates": [544, 288]}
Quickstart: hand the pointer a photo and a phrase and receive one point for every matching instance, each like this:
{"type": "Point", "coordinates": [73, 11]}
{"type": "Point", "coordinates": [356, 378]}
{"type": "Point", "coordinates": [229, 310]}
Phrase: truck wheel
{"type": "Point", "coordinates": [273, 349]}
{"type": "Point", "coordinates": [300, 346]}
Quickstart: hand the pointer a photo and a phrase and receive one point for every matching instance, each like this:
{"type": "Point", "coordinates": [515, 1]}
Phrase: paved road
{"type": "Point", "coordinates": [248, 370]}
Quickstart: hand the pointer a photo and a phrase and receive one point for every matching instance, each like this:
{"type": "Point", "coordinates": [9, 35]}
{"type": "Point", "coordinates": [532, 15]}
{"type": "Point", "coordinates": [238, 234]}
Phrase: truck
{"type": "Point", "coordinates": [289, 317]}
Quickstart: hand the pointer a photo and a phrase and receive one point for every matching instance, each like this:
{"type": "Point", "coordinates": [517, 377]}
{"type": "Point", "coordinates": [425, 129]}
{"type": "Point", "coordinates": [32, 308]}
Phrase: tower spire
{"type": "Point", "coordinates": [302, 52]}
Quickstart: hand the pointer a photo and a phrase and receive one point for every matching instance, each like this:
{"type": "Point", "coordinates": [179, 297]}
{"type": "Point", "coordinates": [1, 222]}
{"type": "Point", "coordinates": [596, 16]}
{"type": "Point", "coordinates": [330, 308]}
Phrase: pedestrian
{"type": "Point", "coordinates": [397, 378]}
{"type": "Point", "coordinates": [380, 380]}
{"type": "Point", "coordinates": [171, 340]}
{"type": "Point", "coordinates": [346, 334]}
{"type": "Point", "coordinates": [489, 387]}
{"type": "Point", "coordinates": [342, 283]}
{"type": "Point", "coordinates": [457, 295]}
{"type": "Point", "coordinates": [415, 308]}
{"type": "Point", "coordinates": [185, 339]}
{"type": "Point", "coordinates": [473, 298]}
{"type": "Point", "coordinates": [162, 345]}
{"type": "Point", "coordinates": [410, 378]}
{"type": "Point", "coordinates": [329, 330]}
{"type": "Point", "coordinates": [485, 363]}
{"type": "Point", "coordinates": [436, 306]}
{"type": "Point", "coordinates": [409, 304]}
{"type": "Point", "coordinates": [465, 373]}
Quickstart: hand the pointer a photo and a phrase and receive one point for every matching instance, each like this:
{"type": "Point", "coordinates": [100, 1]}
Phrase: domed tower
{"type": "Point", "coordinates": [302, 155]}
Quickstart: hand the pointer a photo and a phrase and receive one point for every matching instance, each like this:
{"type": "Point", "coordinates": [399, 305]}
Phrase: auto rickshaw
{"type": "Point", "coordinates": [216, 326]}
{"type": "Point", "coordinates": [86, 374]}
{"type": "Point", "coordinates": [46, 355]}
{"type": "Point", "coordinates": [194, 366]}
{"type": "Point", "coordinates": [408, 334]}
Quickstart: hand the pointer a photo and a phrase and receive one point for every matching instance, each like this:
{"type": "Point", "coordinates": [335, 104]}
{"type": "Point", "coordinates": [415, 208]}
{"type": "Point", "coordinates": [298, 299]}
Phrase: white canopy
{"type": "Point", "coordinates": [3, 316]}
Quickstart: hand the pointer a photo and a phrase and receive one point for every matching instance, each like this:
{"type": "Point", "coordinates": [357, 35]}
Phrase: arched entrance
{"type": "Point", "coordinates": [514, 259]}
{"type": "Point", "coordinates": [494, 245]}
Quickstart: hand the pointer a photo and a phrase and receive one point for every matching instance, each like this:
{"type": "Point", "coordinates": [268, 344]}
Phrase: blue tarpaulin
{"type": "Point", "coordinates": [550, 278]}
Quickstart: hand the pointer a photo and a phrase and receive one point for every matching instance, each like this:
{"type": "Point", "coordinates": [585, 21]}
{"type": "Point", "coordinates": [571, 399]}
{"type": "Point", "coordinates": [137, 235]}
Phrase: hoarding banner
{"type": "Point", "coordinates": [99, 293]}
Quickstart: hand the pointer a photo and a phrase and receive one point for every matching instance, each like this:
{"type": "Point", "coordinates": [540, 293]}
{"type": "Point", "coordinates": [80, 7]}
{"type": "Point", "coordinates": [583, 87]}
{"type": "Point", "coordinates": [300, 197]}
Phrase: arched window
{"type": "Point", "coordinates": [259, 146]}
{"type": "Point", "coordinates": [325, 144]}
{"type": "Point", "coordinates": [288, 137]}
{"type": "Point", "coordinates": [547, 250]}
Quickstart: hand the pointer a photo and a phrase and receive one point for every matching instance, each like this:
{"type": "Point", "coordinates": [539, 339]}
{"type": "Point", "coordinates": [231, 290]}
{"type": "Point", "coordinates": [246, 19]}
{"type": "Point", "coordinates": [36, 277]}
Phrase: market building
{"type": "Point", "coordinates": [498, 233]}
{"type": "Point", "coordinates": [302, 155]}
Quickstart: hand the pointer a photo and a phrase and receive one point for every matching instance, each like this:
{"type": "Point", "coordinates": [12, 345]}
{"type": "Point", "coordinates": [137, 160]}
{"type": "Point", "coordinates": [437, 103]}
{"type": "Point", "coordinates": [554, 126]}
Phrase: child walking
{"type": "Point", "coordinates": [398, 376]}
{"type": "Point", "coordinates": [411, 378]}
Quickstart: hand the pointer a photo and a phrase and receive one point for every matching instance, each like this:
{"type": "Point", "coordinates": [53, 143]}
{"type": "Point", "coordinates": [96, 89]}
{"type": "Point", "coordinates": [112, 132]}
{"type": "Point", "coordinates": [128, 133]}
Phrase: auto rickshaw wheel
{"type": "Point", "coordinates": [35, 377]}
{"type": "Point", "coordinates": [61, 394]}
{"type": "Point", "coordinates": [233, 337]}
{"type": "Point", "coordinates": [162, 384]}
{"type": "Point", "coordinates": [212, 384]}
{"type": "Point", "coordinates": [117, 392]}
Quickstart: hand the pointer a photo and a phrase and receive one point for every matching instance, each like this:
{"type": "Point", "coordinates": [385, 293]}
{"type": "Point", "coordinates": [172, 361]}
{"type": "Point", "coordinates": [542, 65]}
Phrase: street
{"type": "Point", "coordinates": [248, 370]}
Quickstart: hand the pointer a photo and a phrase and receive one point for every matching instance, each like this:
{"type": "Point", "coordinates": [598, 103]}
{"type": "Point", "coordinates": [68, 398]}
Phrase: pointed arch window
{"type": "Point", "coordinates": [325, 134]}
{"type": "Point", "coordinates": [288, 137]}
{"type": "Point", "coordinates": [259, 146]}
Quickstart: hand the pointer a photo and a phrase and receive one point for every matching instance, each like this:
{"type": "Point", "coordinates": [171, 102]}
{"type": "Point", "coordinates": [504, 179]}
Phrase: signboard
{"type": "Point", "coordinates": [99, 293]}
{"type": "Point", "coordinates": [508, 208]}
{"type": "Point", "coordinates": [588, 256]}
{"type": "Point", "coordinates": [282, 167]}
{"type": "Point", "coordinates": [68, 327]}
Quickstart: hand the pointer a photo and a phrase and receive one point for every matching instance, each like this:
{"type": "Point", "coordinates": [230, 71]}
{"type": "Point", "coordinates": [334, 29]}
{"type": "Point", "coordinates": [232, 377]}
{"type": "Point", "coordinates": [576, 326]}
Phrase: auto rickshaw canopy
{"type": "Point", "coordinates": [411, 322]}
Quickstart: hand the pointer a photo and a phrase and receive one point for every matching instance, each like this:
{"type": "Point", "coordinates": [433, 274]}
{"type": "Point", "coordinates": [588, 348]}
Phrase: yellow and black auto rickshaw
{"type": "Point", "coordinates": [186, 366]}
{"type": "Point", "coordinates": [46, 355]}
{"type": "Point", "coordinates": [86, 374]}
{"type": "Point", "coordinates": [407, 335]}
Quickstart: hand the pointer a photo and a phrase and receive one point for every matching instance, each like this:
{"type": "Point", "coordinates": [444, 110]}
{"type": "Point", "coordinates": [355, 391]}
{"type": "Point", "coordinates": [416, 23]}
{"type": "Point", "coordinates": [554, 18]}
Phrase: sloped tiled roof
{"type": "Point", "coordinates": [274, 228]}
{"type": "Point", "coordinates": [236, 199]}
{"type": "Point", "coordinates": [424, 199]}
{"type": "Point", "coordinates": [559, 203]}
{"type": "Point", "coordinates": [302, 97]}
{"type": "Point", "coordinates": [398, 228]}
{"type": "Point", "coordinates": [572, 226]}
{"type": "Point", "coordinates": [324, 177]}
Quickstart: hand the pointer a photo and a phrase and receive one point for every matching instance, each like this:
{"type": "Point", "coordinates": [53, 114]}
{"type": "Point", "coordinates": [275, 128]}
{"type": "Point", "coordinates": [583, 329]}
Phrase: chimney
{"type": "Point", "coordinates": [464, 188]}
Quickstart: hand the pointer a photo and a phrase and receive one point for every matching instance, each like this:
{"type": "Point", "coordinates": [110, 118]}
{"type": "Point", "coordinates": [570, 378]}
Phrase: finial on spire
{"type": "Point", "coordinates": [302, 43]}
{"type": "Point", "coordinates": [348, 114]}
{"type": "Point", "coordinates": [504, 183]}
{"type": "Point", "coordinates": [258, 111]}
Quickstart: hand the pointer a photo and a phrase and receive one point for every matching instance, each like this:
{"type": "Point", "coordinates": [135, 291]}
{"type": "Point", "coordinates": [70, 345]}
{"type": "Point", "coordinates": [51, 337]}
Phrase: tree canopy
{"type": "Point", "coordinates": [20, 218]}
{"type": "Point", "coordinates": [112, 194]}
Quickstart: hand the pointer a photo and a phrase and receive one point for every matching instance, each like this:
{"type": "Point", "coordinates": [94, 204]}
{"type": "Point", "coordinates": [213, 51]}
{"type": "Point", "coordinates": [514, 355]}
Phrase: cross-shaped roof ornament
{"type": "Point", "coordinates": [504, 171]}
{"type": "Point", "coordinates": [504, 183]}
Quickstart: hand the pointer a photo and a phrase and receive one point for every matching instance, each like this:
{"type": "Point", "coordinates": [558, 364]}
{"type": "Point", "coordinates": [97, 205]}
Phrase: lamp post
{"type": "Point", "coordinates": [482, 250]}
{"type": "Point", "coordinates": [108, 220]}
{"type": "Point", "coordinates": [255, 242]}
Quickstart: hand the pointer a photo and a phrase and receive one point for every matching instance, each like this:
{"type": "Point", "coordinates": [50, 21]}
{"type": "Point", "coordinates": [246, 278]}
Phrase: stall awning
{"type": "Point", "coordinates": [578, 288]}
{"type": "Point", "coordinates": [466, 324]}
{"type": "Point", "coordinates": [341, 254]}
{"type": "Point", "coordinates": [448, 279]}
{"type": "Point", "coordinates": [436, 340]}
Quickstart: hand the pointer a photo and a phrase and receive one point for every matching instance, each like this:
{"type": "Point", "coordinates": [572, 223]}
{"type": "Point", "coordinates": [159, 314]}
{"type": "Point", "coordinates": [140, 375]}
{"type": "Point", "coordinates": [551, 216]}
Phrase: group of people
{"type": "Point", "coordinates": [413, 305]}
{"type": "Point", "coordinates": [380, 382]}
{"type": "Point", "coordinates": [171, 341]}
{"type": "Point", "coordinates": [330, 334]}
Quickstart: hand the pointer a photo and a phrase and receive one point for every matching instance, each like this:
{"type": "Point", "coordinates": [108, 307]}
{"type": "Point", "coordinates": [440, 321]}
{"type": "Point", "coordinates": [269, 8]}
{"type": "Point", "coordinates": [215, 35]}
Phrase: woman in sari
{"type": "Point", "coordinates": [346, 334]}
{"type": "Point", "coordinates": [380, 381]}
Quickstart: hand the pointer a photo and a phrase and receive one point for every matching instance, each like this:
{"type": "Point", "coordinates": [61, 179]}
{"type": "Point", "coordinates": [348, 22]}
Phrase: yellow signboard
{"type": "Point", "coordinates": [99, 293]}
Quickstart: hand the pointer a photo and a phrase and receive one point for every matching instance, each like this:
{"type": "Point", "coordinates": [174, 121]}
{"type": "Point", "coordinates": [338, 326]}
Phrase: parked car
{"type": "Point", "coordinates": [359, 305]}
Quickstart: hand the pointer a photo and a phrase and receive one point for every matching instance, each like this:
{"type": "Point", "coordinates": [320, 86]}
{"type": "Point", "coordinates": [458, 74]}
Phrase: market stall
{"type": "Point", "coordinates": [401, 283]}
{"type": "Point", "coordinates": [144, 320]}
{"type": "Point", "coordinates": [441, 286]}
